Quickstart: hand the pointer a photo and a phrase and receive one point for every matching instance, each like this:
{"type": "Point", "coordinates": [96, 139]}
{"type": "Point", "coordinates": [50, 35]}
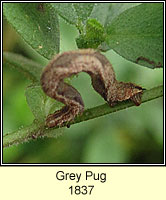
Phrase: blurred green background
{"type": "Point", "coordinates": [134, 135]}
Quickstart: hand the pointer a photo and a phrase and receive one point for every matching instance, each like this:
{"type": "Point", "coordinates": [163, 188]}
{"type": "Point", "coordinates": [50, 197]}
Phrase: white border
{"type": "Point", "coordinates": [102, 164]}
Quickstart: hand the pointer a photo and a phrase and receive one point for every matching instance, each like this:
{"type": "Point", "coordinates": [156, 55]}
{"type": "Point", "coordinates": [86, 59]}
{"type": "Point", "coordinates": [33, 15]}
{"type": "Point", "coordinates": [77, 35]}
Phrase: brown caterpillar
{"type": "Point", "coordinates": [103, 81]}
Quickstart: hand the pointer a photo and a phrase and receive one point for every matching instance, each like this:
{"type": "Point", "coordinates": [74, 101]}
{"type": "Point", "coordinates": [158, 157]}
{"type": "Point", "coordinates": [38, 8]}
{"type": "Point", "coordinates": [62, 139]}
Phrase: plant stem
{"type": "Point", "coordinates": [105, 109]}
{"type": "Point", "coordinates": [36, 130]}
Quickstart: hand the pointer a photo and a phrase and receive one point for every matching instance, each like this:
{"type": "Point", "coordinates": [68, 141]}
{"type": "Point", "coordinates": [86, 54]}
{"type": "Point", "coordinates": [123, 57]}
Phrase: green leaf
{"type": "Point", "coordinates": [37, 25]}
{"type": "Point", "coordinates": [137, 34]}
{"type": "Point", "coordinates": [116, 9]}
{"type": "Point", "coordinates": [100, 12]}
{"type": "Point", "coordinates": [73, 13]}
{"type": "Point", "coordinates": [29, 68]}
{"type": "Point", "coordinates": [66, 11]}
{"type": "Point", "coordinates": [106, 12]}
{"type": "Point", "coordinates": [93, 36]}
{"type": "Point", "coordinates": [83, 10]}
{"type": "Point", "coordinates": [36, 101]}
{"type": "Point", "coordinates": [40, 104]}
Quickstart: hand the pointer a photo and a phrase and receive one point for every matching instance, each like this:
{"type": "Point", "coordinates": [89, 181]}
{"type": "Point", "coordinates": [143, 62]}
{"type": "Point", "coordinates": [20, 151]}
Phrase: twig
{"type": "Point", "coordinates": [36, 130]}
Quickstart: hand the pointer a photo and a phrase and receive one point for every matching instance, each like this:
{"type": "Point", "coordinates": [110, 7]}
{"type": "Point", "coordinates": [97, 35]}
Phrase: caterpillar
{"type": "Point", "coordinates": [103, 81]}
